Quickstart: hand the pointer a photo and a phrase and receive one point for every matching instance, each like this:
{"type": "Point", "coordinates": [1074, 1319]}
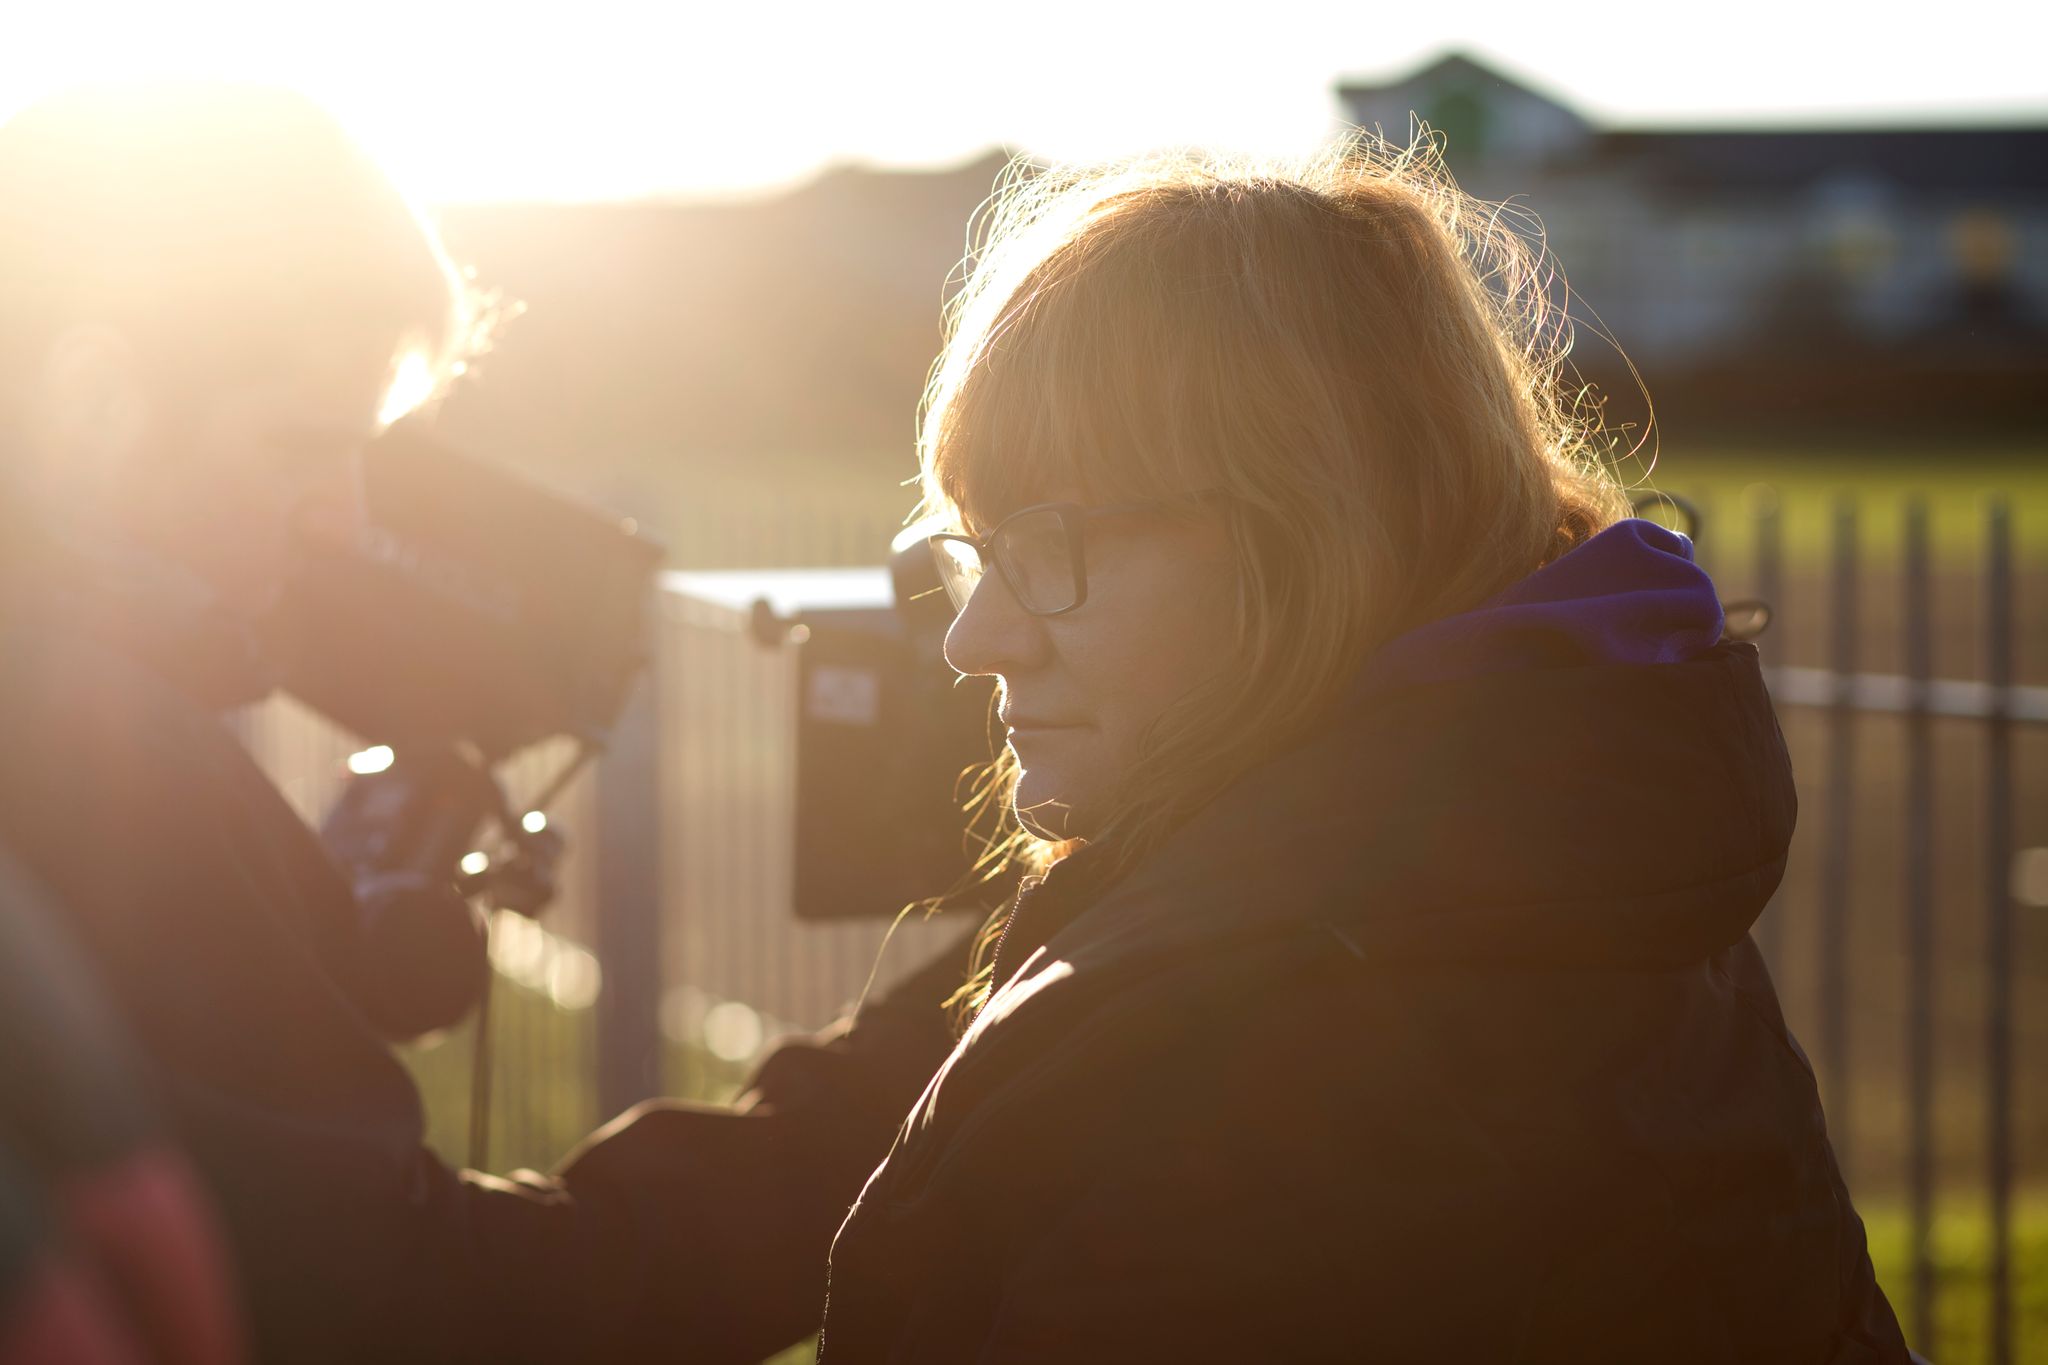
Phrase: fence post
{"type": "Point", "coordinates": [1998, 928]}
{"type": "Point", "coordinates": [1838, 830]}
{"type": "Point", "coordinates": [1919, 876]}
{"type": "Point", "coordinates": [629, 886]}
{"type": "Point", "coordinates": [1770, 583]}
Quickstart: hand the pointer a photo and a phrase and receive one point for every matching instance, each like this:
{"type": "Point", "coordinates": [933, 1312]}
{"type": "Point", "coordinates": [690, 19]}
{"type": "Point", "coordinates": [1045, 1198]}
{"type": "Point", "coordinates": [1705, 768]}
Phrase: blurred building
{"type": "Point", "coordinates": [1739, 251]}
{"type": "Point", "coordinates": [676, 352]}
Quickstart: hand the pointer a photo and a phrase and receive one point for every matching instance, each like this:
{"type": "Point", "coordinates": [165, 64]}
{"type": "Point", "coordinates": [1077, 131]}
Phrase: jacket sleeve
{"type": "Point", "coordinates": [703, 1232]}
{"type": "Point", "coordinates": [676, 1232]}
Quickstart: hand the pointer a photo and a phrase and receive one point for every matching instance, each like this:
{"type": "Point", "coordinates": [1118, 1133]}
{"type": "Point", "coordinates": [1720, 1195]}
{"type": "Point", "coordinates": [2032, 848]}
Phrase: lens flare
{"type": "Point", "coordinates": [411, 385]}
{"type": "Point", "coordinates": [374, 759]}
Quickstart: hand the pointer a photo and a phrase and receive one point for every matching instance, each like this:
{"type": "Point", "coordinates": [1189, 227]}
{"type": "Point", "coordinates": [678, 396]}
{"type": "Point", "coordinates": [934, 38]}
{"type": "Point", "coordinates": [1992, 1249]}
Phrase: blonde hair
{"type": "Point", "coordinates": [1368, 363]}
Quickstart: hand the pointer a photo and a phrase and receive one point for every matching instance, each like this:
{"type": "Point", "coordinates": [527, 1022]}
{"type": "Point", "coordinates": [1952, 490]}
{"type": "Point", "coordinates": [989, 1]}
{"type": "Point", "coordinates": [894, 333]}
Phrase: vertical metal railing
{"type": "Point", "coordinates": [1918, 632]}
{"type": "Point", "coordinates": [1768, 525]}
{"type": "Point", "coordinates": [1842, 696]}
{"type": "Point", "coordinates": [1998, 666]}
{"type": "Point", "coordinates": [1839, 822]}
{"type": "Point", "coordinates": [629, 915]}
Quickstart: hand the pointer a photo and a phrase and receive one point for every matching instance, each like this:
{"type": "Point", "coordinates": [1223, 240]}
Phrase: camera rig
{"type": "Point", "coordinates": [478, 614]}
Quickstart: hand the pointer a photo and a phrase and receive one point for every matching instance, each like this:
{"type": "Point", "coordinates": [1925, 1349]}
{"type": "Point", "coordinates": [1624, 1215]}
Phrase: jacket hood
{"type": "Point", "coordinates": [1573, 773]}
{"type": "Point", "coordinates": [1631, 594]}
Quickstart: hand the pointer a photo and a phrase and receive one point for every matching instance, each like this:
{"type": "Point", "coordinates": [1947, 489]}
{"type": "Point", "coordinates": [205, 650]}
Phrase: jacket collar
{"type": "Point", "coordinates": [1630, 594]}
{"type": "Point", "coordinates": [1604, 815]}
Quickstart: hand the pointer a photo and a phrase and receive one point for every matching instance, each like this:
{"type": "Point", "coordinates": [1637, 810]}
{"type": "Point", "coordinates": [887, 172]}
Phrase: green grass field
{"type": "Point", "coordinates": [820, 510]}
{"type": "Point", "coordinates": [1730, 482]}
{"type": "Point", "coordinates": [1962, 1255]}
{"type": "Point", "coordinates": [543, 1089]}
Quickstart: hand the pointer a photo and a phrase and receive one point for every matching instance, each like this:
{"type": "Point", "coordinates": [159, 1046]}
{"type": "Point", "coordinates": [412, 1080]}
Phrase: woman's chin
{"type": "Point", "coordinates": [1046, 815]}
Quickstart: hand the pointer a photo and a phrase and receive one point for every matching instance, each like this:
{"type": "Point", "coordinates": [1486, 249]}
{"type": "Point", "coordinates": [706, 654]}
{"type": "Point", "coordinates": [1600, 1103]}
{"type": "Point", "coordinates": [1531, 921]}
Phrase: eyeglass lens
{"type": "Point", "coordinates": [959, 569]}
{"type": "Point", "coordinates": [1036, 558]}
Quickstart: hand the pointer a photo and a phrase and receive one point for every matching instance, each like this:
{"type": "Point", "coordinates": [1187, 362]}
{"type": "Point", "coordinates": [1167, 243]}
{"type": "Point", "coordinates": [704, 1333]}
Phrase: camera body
{"type": "Point", "coordinates": [479, 609]}
{"type": "Point", "coordinates": [477, 615]}
{"type": "Point", "coordinates": [482, 614]}
{"type": "Point", "coordinates": [890, 741]}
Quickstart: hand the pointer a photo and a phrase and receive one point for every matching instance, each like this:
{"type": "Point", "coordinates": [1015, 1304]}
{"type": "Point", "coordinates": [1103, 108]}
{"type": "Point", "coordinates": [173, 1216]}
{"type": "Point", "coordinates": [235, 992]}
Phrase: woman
{"type": "Point", "coordinates": [1401, 813]}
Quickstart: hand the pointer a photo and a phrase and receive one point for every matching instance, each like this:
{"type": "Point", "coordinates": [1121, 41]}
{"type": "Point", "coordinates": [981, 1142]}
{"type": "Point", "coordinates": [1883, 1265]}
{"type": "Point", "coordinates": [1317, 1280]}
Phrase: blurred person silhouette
{"type": "Point", "coordinates": [1397, 812]}
{"type": "Point", "coordinates": [210, 299]}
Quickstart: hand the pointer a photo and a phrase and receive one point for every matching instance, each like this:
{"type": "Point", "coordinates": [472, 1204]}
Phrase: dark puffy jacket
{"type": "Point", "coordinates": [1438, 1038]}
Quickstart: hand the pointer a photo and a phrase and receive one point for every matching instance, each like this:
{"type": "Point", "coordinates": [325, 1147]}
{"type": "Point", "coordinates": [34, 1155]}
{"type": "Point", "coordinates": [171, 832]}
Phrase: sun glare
{"type": "Point", "coordinates": [637, 99]}
{"type": "Point", "coordinates": [411, 385]}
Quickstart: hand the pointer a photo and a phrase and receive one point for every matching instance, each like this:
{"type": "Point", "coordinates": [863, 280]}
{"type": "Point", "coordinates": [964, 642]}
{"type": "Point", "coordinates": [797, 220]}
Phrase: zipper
{"type": "Point", "coordinates": [995, 959]}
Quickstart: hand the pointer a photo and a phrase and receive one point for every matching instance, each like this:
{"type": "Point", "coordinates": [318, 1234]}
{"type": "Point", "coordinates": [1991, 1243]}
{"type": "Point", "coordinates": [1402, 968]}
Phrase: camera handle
{"type": "Point", "coordinates": [428, 840]}
{"type": "Point", "coordinates": [524, 884]}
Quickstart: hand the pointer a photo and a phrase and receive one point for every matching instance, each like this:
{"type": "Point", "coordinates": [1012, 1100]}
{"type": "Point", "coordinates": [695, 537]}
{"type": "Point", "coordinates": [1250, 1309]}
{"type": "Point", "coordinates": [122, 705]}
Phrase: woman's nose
{"type": "Point", "coordinates": [992, 634]}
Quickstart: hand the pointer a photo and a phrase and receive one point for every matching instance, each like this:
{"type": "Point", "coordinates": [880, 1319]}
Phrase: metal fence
{"type": "Point", "coordinates": [672, 958]}
{"type": "Point", "coordinates": [1879, 817]}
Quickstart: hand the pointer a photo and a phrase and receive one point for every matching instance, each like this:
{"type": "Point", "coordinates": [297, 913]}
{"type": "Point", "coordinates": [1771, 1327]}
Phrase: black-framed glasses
{"type": "Point", "coordinates": [1038, 550]}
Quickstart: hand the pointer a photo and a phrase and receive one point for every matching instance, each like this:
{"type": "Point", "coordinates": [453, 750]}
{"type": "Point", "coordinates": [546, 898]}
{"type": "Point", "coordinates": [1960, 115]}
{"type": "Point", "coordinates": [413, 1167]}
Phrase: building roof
{"type": "Point", "coordinates": [1452, 65]}
{"type": "Point", "coordinates": [1987, 159]}
{"type": "Point", "coordinates": [1979, 160]}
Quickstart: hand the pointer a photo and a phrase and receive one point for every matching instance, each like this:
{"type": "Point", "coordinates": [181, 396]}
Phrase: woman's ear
{"type": "Point", "coordinates": [91, 414]}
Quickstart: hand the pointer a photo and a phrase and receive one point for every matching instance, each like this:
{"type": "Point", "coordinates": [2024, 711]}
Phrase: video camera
{"type": "Point", "coordinates": [482, 614]}
{"type": "Point", "coordinates": [889, 738]}
{"type": "Point", "coordinates": [479, 614]}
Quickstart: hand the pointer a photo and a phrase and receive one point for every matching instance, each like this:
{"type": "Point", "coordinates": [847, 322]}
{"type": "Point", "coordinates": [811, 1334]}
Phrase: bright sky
{"type": "Point", "coordinates": [470, 99]}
